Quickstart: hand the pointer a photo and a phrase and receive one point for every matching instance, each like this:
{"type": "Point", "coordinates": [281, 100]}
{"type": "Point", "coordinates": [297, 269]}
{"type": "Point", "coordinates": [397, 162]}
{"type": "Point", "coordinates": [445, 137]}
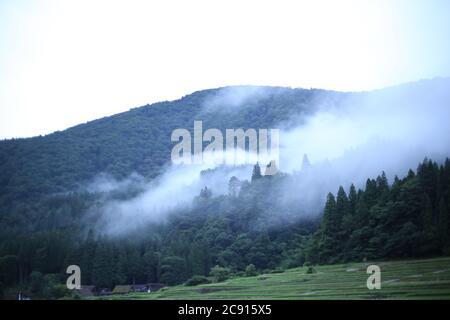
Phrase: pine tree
{"type": "Point", "coordinates": [382, 187]}
{"type": "Point", "coordinates": [429, 236]}
{"type": "Point", "coordinates": [411, 174]}
{"type": "Point", "coordinates": [256, 172]}
{"type": "Point", "coordinates": [233, 186]}
{"type": "Point", "coordinates": [427, 213]}
{"type": "Point", "coordinates": [135, 267]}
{"type": "Point", "coordinates": [443, 223]}
{"type": "Point", "coordinates": [371, 193]}
{"type": "Point", "coordinates": [120, 266]}
{"type": "Point", "coordinates": [87, 258]}
{"type": "Point", "coordinates": [102, 267]}
{"type": "Point", "coordinates": [342, 206]}
{"type": "Point", "coordinates": [353, 199]}
{"type": "Point", "coordinates": [344, 221]}
{"type": "Point", "coordinates": [305, 163]}
{"type": "Point", "coordinates": [359, 238]}
{"type": "Point", "coordinates": [427, 172]}
{"type": "Point", "coordinates": [361, 213]}
{"type": "Point", "coordinates": [329, 229]}
{"type": "Point", "coordinates": [205, 193]}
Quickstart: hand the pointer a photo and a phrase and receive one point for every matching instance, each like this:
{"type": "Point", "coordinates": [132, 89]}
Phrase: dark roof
{"type": "Point", "coordinates": [122, 289]}
{"type": "Point", "coordinates": [86, 290]}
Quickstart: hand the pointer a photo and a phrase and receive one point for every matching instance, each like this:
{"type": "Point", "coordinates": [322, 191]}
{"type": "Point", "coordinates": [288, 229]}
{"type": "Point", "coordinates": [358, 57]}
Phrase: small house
{"type": "Point", "coordinates": [86, 291]}
{"type": "Point", "coordinates": [122, 289]}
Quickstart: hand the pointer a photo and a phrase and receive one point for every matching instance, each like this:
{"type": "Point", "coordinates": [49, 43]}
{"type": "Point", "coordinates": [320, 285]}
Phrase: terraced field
{"type": "Point", "coordinates": [409, 279]}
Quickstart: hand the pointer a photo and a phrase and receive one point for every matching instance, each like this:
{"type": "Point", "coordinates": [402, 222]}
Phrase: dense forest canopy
{"type": "Point", "coordinates": [133, 141]}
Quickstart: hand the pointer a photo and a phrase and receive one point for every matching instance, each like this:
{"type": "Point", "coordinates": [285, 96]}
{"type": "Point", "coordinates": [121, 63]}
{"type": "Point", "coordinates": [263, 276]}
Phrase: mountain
{"type": "Point", "coordinates": [134, 141]}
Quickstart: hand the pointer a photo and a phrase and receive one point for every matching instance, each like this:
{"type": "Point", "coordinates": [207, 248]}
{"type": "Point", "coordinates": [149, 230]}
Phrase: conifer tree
{"type": "Point", "coordinates": [256, 172]}
{"type": "Point", "coordinates": [443, 223]}
{"type": "Point", "coordinates": [328, 243]}
{"type": "Point", "coordinates": [353, 199]}
{"type": "Point", "coordinates": [102, 267]}
{"type": "Point", "coordinates": [427, 213]}
{"type": "Point", "coordinates": [305, 163]}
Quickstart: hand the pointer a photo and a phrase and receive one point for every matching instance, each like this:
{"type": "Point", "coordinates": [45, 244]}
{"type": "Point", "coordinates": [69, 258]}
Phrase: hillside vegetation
{"type": "Point", "coordinates": [50, 220]}
{"type": "Point", "coordinates": [404, 279]}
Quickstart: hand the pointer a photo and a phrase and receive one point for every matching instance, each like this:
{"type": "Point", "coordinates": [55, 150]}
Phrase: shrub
{"type": "Point", "coordinates": [37, 282]}
{"type": "Point", "coordinates": [311, 270]}
{"type": "Point", "coordinates": [57, 291]}
{"type": "Point", "coordinates": [196, 280]}
{"type": "Point", "coordinates": [219, 273]}
{"type": "Point", "coordinates": [250, 271]}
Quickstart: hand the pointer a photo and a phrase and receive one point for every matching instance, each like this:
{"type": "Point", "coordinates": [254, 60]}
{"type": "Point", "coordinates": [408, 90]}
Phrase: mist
{"type": "Point", "coordinates": [172, 192]}
{"type": "Point", "coordinates": [389, 130]}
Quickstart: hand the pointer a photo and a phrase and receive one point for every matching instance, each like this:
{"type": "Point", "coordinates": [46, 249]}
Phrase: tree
{"type": "Point", "coordinates": [135, 267]}
{"type": "Point", "coordinates": [371, 193]}
{"type": "Point", "coordinates": [383, 187]}
{"type": "Point", "coordinates": [330, 222]}
{"type": "Point", "coordinates": [102, 269]}
{"type": "Point", "coordinates": [205, 193]}
{"type": "Point", "coordinates": [219, 273]}
{"type": "Point", "coordinates": [329, 229]}
{"type": "Point", "coordinates": [256, 172]}
{"type": "Point", "coordinates": [443, 223]}
{"type": "Point", "coordinates": [87, 258]}
{"type": "Point", "coordinates": [8, 269]}
{"type": "Point", "coordinates": [151, 264]}
{"type": "Point", "coordinates": [120, 271]}
{"type": "Point", "coordinates": [427, 213]}
{"type": "Point", "coordinates": [233, 186]}
{"type": "Point", "coordinates": [173, 270]}
{"type": "Point", "coordinates": [342, 206]}
{"type": "Point", "coordinates": [353, 199]}
{"type": "Point", "coordinates": [250, 271]}
{"type": "Point", "coordinates": [37, 282]}
{"type": "Point", "coordinates": [305, 163]}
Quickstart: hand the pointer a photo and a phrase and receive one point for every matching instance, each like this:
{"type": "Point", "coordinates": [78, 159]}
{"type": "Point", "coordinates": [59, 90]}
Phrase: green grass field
{"type": "Point", "coordinates": [408, 279]}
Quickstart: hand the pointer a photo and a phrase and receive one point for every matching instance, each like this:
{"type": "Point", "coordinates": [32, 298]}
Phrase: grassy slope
{"type": "Point", "coordinates": [410, 279]}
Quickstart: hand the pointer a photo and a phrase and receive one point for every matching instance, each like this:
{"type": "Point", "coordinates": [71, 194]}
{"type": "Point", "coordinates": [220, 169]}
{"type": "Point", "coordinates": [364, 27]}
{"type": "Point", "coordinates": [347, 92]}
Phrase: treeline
{"type": "Point", "coordinates": [409, 218]}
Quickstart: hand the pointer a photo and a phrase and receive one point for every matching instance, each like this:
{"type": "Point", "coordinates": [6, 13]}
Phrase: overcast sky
{"type": "Point", "coordinates": [66, 62]}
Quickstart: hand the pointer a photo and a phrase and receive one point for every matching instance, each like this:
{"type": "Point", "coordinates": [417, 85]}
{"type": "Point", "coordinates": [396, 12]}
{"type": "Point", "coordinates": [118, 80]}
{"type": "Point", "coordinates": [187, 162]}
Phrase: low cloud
{"type": "Point", "coordinates": [347, 142]}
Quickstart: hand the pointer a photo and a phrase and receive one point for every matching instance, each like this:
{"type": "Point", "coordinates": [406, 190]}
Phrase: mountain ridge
{"type": "Point", "coordinates": [138, 140]}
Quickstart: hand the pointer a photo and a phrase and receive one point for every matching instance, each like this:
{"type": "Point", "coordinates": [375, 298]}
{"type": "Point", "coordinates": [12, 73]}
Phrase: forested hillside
{"type": "Point", "coordinates": [408, 218]}
{"type": "Point", "coordinates": [133, 141]}
{"type": "Point", "coordinates": [50, 219]}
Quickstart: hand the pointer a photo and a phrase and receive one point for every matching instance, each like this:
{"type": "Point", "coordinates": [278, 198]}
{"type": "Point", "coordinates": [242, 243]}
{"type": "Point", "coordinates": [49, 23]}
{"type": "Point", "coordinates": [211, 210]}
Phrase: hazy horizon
{"type": "Point", "coordinates": [64, 63]}
{"type": "Point", "coordinates": [219, 88]}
